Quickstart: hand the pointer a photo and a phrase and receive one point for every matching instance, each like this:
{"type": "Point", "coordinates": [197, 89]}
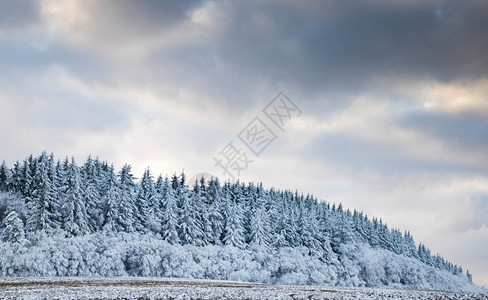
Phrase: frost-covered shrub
{"type": "Point", "coordinates": [148, 255]}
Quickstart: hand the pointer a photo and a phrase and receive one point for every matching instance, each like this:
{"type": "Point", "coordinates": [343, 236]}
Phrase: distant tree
{"type": "Point", "coordinates": [16, 180]}
{"type": "Point", "coordinates": [26, 181]}
{"type": "Point", "coordinates": [5, 177]}
{"type": "Point", "coordinates": [469, 276]}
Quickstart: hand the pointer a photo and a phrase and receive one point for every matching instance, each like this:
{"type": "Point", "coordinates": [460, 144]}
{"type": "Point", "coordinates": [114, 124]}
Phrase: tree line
{"type": "Point", "coordinates": [51, 195]}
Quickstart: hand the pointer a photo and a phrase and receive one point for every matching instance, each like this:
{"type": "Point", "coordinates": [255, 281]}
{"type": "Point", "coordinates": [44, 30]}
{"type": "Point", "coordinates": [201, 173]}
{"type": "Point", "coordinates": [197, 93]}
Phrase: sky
{"type": "Point", "coordinates": [384, 110]}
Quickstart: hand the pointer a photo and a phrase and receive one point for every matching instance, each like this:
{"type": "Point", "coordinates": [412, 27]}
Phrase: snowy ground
{"type": "Point", "coordinates": [163, 288]}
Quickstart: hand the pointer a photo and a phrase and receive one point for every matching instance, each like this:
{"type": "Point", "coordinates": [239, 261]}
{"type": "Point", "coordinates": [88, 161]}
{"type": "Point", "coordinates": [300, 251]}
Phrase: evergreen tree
{"type": "Point", "coordinates": [74, 212]}
{"type": "Point", "coordinates": [215, 213]}
{"type": "Point", "coordinates": [161, 188]}
{"type": "Point", "coordinates": [94, 208]}
{"type": "Point", "coordinates": [469, 276]}
{"type": "Point", "coordinates": [145, 203]}
{"type": "Point", "coordinates": [190, 228]}
{"type": "Point", "coordinates": [411, 249]}
{"type": "Point", "coordinates": [16, 180]}
{"type": "Point", "coordinates": [260, 230]}
{"type": "Point", "coordinates": [111, 201]}
{"type": "Point", "coordinates": [374, 239]}
{"type": "Point", "coordinates": [26, 181]}
{"type": "Point", "coordinates": [127, 208]}
{"type": "Point", "coordinates": [13, 231]}
{"type": "Point", "coordinates": [234, 231]}
{"type": "Point", "coordinates": [342, 233]}
{"type": "Point", "coordinates": [42, 202]}
{"type": "Point", "coordinates": [5, 177]}
{"type": "Point", "coordinates": [170, 218]}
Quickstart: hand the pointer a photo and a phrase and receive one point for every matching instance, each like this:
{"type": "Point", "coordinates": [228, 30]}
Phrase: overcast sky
{"type": "Point", "coordinates": [393, 98]}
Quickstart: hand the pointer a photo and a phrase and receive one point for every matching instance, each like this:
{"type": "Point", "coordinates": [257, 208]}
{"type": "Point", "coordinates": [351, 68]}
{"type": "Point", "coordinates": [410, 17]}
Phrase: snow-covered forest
{"type": "Point", "coordinates": [61, 219]}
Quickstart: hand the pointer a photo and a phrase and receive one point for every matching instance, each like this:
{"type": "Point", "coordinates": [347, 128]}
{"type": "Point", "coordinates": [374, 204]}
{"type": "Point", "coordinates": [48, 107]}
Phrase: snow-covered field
{"type": "Point", "coordinates": [164, 288]}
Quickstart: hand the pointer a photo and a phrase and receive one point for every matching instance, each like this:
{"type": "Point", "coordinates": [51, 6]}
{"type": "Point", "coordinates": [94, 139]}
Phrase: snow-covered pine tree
{"type": "Point", "coordinates": [13, 231]}
{"type": "Point", "coordinates": [61, 180]}
{"type": "Point", "coordinates": [111, 202]}
{"type": "Point", "coordinates": [190, 228]}
{"type": "Point", "coordinates": [145, 203]}
{"type": "Point", "coordinates": [374, 239]}
{"type": "Point", "coordinates": [127, 211]}
{"type": "Point", "coordinates": [161, 187]}
{"type": "Point", "coordinates": [469, 276]}
{"type": "Point", "coordinates": [16, 180]}
{"type": "Point", "coordinates": [169, 228]}
{"type": "Point", "coordinates": [42, 202]}
{"type": "Point", "coordinates": [74, 214]}
{"type": "Point", "coordinates": [260, 236]}
{"type": "Point", "coordinates": [290, 225]}
{"type": "Point", "coordinates": [94, 208]}
{"type": "Point", "coordinates": [411, 249]}
{"type": "Point", "coordinates": [5, 177]}
{"type": "Point", "coordinates": [215, 214]}
{"type": "Point", "coordinates": [26, 181]}
{"type": "Point", "coordinates": [343, 232]}
{"type": "Point", "coordinates": [234, 231]}
{"type": "Point", "coordinates": [359, 228]}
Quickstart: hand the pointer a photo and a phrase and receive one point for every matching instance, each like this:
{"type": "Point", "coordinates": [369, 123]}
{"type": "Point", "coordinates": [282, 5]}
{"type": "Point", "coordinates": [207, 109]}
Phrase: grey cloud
{"type": "Point", "coordinates": [353, 153]}
{"type": "Point", "coordinates": [343, 43]}
{"type": "Point", "coordinates": [16, 15]}
{"type": "Point", "coordinates": [467, 130]}
{"type": "Point", "coordinates": [479, 207]}
{"type": "Point", "coordinates": [114, 23]}
{"type": "Point", "coordinates": [335, 47]}
{"type": "Point", "coordinates": [21, 59]}
{"type": "Point", "coordinates": [330, 52]}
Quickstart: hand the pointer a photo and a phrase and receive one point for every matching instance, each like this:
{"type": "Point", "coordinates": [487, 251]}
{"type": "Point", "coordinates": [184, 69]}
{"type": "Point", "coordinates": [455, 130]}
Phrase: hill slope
{"type": "Point", "coordinates": [59, 219]}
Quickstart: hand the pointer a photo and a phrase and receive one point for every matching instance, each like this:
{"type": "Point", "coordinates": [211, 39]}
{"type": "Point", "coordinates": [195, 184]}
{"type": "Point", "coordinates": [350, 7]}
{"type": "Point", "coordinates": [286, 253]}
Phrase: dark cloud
{"type": "Point", "coordinates": [344, 43]}
{"type": "Point", "coordinates": [316, 47]}
{"type": "Point", "coordinates": [330, 50]}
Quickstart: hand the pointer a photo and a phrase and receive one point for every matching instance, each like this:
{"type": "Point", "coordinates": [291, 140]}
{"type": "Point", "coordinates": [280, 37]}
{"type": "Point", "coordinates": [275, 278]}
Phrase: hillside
{"type": "Point", "coordinates": [59, 219]}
